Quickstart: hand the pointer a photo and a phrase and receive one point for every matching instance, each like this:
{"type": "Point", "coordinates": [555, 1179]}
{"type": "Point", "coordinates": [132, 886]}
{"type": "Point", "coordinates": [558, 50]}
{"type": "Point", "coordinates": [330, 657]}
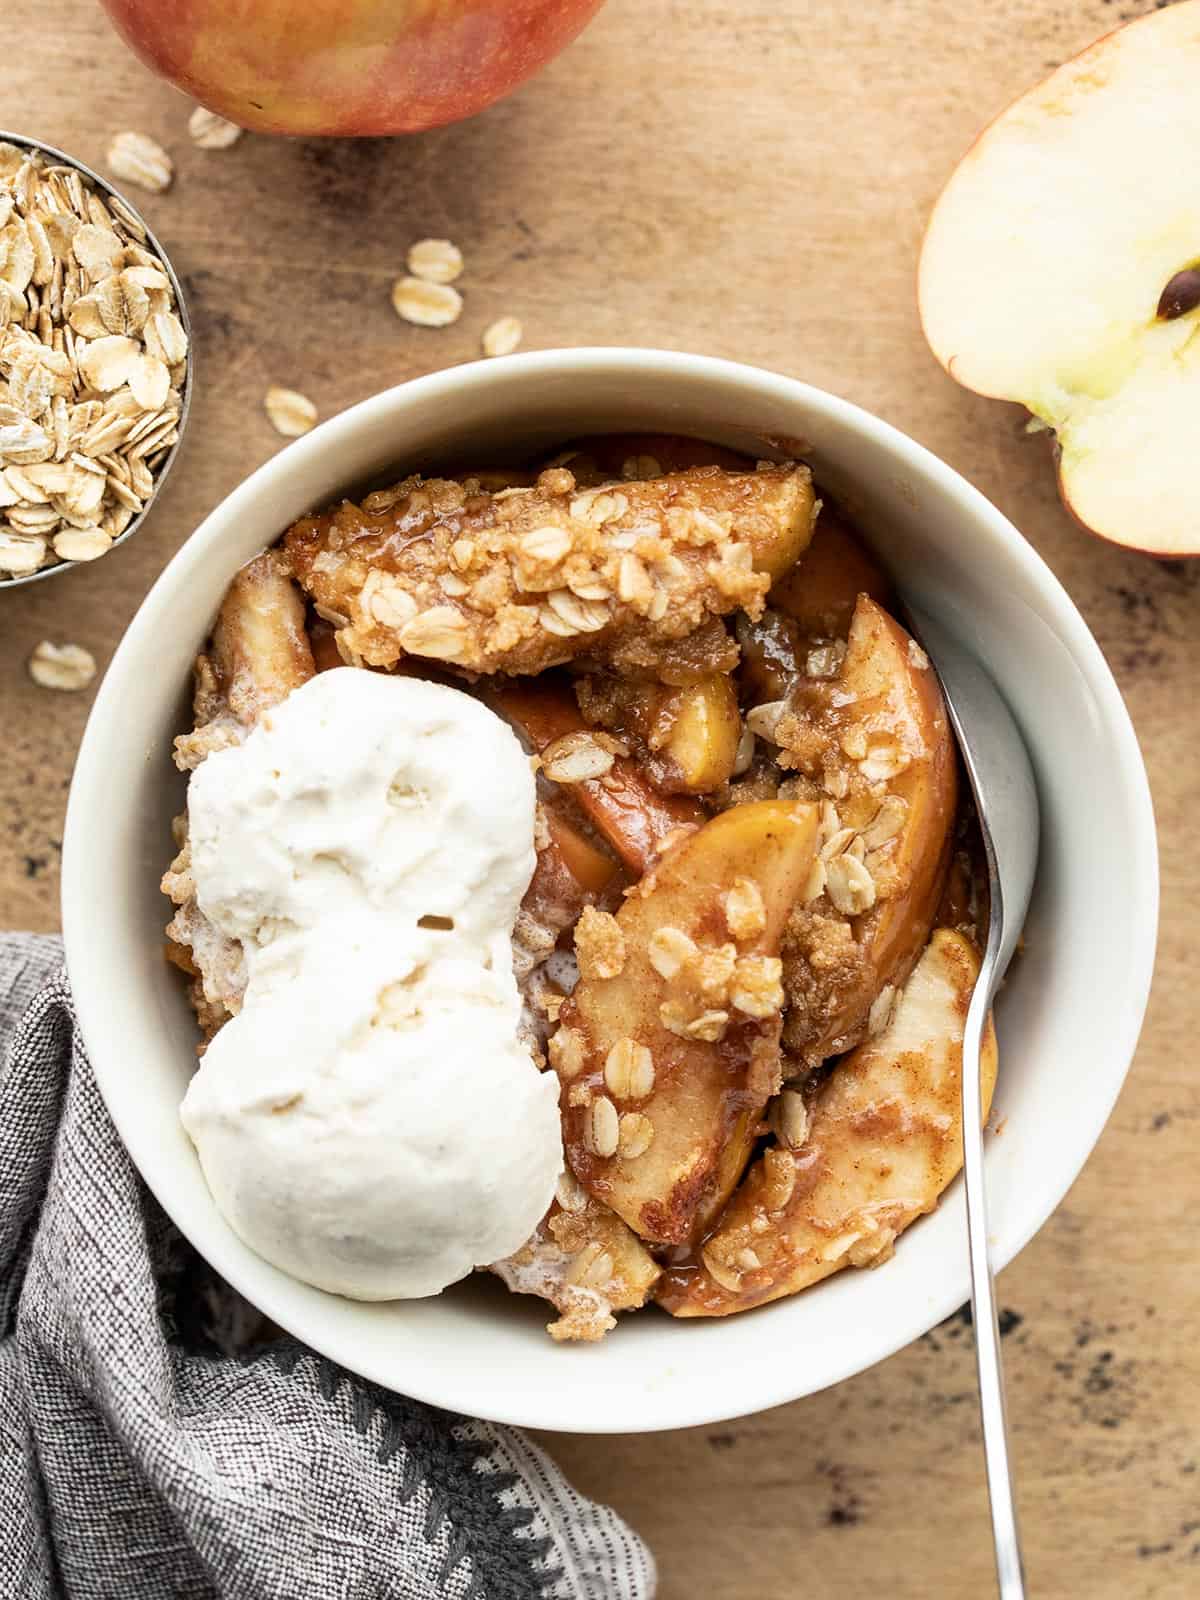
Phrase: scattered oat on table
{"type": "Point", "coordinates": [62, 666]}
{"type": "Point", "coordinates": [502, 337]}
{"type": "Point", "coordinates": [435, 260]}
{"type": "Point", "coordinates": [291, 412]}
{"type": "Point", "coordinates": [429, 305]}
{"type": "Point", "coordinates": [93, 360]}
{"type": "Point", "coordinates": [208, 131]}
{"type": "Point", "coordinates": [136, 158]}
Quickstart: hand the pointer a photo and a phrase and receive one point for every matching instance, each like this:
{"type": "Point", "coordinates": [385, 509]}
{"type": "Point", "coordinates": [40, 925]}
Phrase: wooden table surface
{"type": "Point", "coordinates": [749, 180]}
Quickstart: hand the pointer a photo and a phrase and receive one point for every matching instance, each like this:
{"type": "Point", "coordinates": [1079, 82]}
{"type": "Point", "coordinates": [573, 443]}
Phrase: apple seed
{"type": "Point", "coordinates": [1181, 295]}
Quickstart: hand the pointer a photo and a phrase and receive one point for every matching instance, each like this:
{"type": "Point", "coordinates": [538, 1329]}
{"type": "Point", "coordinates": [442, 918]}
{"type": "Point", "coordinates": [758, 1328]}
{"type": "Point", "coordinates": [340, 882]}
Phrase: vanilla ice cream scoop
{"type": "Point", "coordinates": [369, 1121]}
{"type": "Point", "coordinates": [369, 795]}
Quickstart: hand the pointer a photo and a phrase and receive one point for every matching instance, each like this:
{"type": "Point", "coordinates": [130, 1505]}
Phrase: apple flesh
{"type": "Point", "coordinates": [1060, 270]}
{"type": "Point", "coordinates": [624, 807]}
{"type": "Point", "coordinates": [325, 67]}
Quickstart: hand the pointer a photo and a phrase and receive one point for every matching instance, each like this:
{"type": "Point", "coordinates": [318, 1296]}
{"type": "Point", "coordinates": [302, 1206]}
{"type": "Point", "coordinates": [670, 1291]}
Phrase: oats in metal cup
{"type": "Point", "coordinates": [94, 358]}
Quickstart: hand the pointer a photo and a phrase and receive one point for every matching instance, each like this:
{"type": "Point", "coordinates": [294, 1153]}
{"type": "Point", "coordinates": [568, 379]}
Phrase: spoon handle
{"type": "Point", "coordinates": [1009, 1568]}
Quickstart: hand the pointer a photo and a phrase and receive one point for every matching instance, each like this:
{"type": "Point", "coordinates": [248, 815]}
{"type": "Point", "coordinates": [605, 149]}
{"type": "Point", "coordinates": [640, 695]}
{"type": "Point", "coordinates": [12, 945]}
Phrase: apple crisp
{"type": "Point", "coordinates": [749, 938]}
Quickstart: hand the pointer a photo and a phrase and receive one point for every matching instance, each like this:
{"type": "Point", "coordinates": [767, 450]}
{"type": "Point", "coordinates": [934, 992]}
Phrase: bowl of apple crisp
{"type": "Point", "coordinates": [572, 900]}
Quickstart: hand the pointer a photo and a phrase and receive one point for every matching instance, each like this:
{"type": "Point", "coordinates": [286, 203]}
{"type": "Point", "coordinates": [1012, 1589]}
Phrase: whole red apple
{"type": "Point", "coordinates": [347, 66]}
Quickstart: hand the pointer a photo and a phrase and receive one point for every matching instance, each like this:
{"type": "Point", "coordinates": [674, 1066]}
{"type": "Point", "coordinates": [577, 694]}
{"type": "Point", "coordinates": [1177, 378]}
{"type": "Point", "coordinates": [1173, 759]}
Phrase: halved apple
{"type": "Point", "coordinates": [666, 1066]}
{"type": "Point", "coordinates": [884, 1139]}
{"type": "Point", "coordinates": [876, 741]}
{"type": "Point", "coordinates": [1059, 271]}
{"type": "Point", "coordinates": [621, 804]}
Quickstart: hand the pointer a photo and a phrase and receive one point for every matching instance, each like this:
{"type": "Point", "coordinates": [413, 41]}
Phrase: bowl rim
{"type": "Point", "coordinates": [760, 1390]}
{"type": "Point", "coordinates": [28, 142]}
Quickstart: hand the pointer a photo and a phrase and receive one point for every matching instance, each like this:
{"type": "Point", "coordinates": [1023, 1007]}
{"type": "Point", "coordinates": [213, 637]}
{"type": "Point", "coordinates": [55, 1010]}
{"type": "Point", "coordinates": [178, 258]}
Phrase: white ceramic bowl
{"type": "Point", "coordinates": [1068, 1019]}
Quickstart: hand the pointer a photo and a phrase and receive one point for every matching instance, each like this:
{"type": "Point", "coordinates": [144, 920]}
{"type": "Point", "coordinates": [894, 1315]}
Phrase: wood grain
{"type": "Point", "coordinates": [748, 180]}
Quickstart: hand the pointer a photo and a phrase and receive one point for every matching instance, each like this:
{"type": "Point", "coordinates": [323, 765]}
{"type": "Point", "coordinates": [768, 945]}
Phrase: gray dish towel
{"type": "Point", "coordinates": [152, 1446]}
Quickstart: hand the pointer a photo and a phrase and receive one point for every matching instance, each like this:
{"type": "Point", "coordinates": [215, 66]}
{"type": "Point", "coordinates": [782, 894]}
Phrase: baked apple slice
{"type": "Point", "coordinates": [668, 1050]}
{"type": "Point", "coordinates": [1061, 270]}
{"type": "Point", "coordinates": [591, 868]}
{"type": "Point", "coordinates": [822, 589]}
{"type": "Point", "coordinates": [686, 736]}
{"type": "Point", "coordinates": [875, 741]}
{"type": "Point", "coordinates": [570, 873]}
{"type": "Point", "coordinates": [700, 749]}
{"type": "Point", "coordinates": [884, 1138]}
{"type": "Point", "coordinates": [532, 577]}
{"type": "Point", "coordinates": [809, 611]}
{"type": "Point", "coordinates": [773, 656]}
{"type": "Point", "coordinates": [258, 653]}
{"type": "Point", "coordinates": [617, 799]}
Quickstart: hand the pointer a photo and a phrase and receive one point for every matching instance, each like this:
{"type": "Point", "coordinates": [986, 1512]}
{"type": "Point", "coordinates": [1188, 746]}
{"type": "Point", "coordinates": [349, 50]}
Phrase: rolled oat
{"type": "Point", "coordinates": [435, 260]}
{"type": "Point", "coordinates": [428, 305]}
{"type": "Point", "coordinates": [502, 337]}
{"type": "Point", "coordinates": [291, 412]}
{"type": "Point", "coordinates": [136, 158]}
{"type": "Point", "coordinates": [61, 666]}
{"type": "Point", "coordinates": [208, 131]}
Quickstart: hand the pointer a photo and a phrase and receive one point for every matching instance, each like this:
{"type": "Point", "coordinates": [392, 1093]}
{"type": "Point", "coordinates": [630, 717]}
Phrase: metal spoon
{"type": "Point", "coordinates": [1001, 777]}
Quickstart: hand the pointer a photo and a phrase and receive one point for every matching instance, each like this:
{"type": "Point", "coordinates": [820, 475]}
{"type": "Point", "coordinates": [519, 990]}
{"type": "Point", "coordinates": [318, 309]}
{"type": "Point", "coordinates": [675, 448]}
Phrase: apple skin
{"type": "Point", "coordinates": [347, 67]}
